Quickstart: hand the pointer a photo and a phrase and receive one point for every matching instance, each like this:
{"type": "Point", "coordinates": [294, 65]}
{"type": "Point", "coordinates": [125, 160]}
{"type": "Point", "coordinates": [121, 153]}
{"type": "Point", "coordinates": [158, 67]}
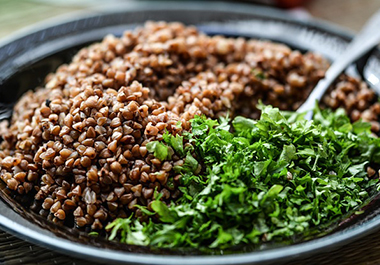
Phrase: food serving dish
{"type": "Point", "coordinates": [36, 54]}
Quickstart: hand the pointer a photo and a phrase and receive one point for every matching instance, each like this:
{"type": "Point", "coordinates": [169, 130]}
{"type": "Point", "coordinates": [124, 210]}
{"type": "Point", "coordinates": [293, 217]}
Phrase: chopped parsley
{"type": "Point", "coordinates": [261, 180]}
{"type": "Point", "coordinates": [159, 150]}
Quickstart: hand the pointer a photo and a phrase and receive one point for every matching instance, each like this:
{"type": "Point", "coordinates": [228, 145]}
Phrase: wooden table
{"type": "Point", "coordinates": [18, 14]}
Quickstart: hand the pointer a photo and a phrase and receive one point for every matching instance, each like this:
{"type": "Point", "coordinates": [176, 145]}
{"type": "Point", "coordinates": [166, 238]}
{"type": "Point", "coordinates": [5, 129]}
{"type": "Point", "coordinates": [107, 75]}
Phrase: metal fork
{"type": "Point", "coordinates": [365, 40]}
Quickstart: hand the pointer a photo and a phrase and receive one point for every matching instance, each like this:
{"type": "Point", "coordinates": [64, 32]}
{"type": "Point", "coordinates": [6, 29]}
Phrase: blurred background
{"type": "Point", "coordinates": [17, 14]}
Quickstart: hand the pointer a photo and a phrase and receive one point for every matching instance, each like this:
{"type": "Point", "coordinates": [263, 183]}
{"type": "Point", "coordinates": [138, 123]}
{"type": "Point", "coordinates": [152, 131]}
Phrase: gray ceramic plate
{"type": "Point", "coordinates": [27, 58]}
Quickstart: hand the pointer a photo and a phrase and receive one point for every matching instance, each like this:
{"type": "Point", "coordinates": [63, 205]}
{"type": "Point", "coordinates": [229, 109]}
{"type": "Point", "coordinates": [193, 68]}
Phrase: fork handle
{"type": "Point", "coordinates": [366, 40]}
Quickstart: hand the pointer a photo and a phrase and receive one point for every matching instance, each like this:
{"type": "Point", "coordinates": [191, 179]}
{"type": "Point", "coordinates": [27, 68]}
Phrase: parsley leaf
{"type": "Point", "coordinates": [160, 150]}
{"type": "Point", "coordinates": [251, 181]}
{"type": "Point", "coordinates": [174, 141]}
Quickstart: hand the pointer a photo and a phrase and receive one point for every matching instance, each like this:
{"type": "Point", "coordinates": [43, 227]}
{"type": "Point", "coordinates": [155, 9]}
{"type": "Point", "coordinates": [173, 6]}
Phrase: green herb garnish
{"type": "Point", "coordinates": [160, 150]}
{"type": "Point", "coordinates": [259, 74]}
{"type": "Point", "coordinates": [264, 180]}
{"type": "Point", "coordinates": [174, 141]}
{"type": "Point", "coordinates": [93, 233]}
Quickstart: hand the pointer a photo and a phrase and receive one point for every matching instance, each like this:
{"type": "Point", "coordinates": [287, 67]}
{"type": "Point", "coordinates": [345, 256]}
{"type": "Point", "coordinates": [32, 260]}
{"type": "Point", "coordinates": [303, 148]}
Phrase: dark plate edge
{"type": "Point", "coordinates": [266, 256]}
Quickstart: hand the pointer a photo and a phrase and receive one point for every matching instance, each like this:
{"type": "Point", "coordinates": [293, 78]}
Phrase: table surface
{"type": "Point", "coordinates": [18, 14]}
